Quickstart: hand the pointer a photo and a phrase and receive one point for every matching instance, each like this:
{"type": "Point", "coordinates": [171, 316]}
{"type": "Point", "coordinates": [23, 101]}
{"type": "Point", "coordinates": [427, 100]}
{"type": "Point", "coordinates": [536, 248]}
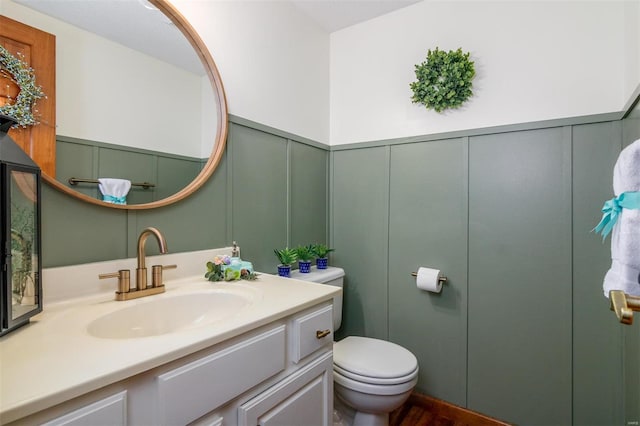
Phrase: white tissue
{"type": "Point", "coordinates": [429, 279]}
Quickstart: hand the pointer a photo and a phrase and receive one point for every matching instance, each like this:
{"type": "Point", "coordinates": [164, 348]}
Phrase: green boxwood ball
{"type": "Point", "coordinates": [444, 80]}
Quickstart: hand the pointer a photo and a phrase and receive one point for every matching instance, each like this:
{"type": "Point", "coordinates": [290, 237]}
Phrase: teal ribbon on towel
{"type": "Point", "coordinates": [114, 200]}
{"type": "Point", "coordinates": [612, 209]}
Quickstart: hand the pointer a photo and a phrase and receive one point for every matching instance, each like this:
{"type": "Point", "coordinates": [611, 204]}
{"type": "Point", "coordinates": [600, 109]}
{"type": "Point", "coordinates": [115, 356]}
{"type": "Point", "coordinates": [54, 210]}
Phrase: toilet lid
{"type": "Point", "coordinates": [374, 358]}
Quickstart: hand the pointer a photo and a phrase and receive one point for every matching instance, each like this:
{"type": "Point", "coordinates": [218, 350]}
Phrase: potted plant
{"type": "Point", "coordinates": [321, 251]}
{"type": "Point", "coordinates": [287, 257]}
{"type": "Point", "coordinates": [305, 256]}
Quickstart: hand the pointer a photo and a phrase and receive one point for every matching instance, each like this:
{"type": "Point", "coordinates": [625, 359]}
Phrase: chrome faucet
{"type": "Point", "coordinates": [141, 270]}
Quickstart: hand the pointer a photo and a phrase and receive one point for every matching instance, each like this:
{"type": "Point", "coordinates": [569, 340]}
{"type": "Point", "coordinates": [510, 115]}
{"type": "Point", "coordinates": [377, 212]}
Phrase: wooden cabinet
{"type": "Point", "coordinates": [279, 373]}
{"type": "Point", "coordinates": [38, 49]}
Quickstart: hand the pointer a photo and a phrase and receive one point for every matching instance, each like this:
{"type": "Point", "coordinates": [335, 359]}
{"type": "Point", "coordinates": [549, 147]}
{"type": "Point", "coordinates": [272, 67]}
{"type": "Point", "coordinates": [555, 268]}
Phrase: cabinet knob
{"type": "Point", "coordinates": [322, 333]}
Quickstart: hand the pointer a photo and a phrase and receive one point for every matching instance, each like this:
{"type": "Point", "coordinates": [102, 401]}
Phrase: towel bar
{"type": "Point", "coordinates": [75, 181]}
{"type": "Point", "coordinates": [624, 305]}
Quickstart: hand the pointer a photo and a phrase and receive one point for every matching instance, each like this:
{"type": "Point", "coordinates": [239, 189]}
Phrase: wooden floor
{"type": "Point", "coordinates": [421, 410]}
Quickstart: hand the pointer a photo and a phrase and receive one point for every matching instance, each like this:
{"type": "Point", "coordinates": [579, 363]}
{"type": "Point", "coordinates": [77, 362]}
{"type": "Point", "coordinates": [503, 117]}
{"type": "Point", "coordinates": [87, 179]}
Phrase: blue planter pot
{"type": "Point", "coordinates": [322, 263]}
{"type": "Point", "coordinates": [284, 270]}
{"type": "Point", "coordinates": [305, 267]}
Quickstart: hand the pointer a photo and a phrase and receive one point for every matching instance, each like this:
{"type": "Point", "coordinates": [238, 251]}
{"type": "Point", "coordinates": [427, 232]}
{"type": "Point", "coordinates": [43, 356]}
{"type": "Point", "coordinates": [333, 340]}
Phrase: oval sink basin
{"type": "Point", "coordinates": [170, 314]}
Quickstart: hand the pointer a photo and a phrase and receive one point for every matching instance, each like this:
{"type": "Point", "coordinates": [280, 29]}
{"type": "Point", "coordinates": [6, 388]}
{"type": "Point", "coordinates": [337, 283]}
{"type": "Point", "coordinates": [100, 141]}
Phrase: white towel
{"type": "Point", "coordinates": [114, 190]}
{"type": "Point", "coordinates": [625, 237]}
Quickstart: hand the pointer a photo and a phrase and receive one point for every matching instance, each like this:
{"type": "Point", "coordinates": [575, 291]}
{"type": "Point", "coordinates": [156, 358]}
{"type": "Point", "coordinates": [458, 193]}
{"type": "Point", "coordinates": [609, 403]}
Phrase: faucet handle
{"type": "Point", "coordinates": [156, 274]}
{"type": "Point", "coordinates": [124, 279]}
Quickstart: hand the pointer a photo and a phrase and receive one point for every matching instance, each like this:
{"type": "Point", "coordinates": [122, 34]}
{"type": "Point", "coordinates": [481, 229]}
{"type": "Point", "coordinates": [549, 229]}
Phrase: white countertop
{"type": "Point", "coordinates": [54, 358]}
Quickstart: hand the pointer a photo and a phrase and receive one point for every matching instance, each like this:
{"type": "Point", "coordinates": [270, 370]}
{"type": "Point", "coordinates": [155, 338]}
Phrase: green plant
{"type": "Point", "coordinates": [15, 69]}
{"type": "Point", "coordinates": [286, 256]}
{"type": "Point", "coordinates": [215, 269]}
{"type": "Point", "coordinates": [305, 253]}
{"type": "Point", "coordinates": [321, 250]}
{"type": "Point", "coordinates": [218, 271]}
{"type": "Point", "coordinates": [444, 80]}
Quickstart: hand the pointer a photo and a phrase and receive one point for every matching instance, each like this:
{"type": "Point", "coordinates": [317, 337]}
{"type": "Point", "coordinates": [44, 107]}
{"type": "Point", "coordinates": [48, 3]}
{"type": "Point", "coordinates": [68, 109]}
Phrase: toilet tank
{"type": "Point", "coordinates": [330, 276]}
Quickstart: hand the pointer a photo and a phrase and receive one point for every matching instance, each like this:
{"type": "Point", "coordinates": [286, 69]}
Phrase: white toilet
{"type": "Point", "coordinates": [371, 377]}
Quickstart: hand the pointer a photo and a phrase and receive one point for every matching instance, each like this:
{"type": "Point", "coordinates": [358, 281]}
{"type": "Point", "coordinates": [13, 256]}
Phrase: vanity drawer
{"type": "Point", "coordinates": [197, 388]}
{"type": "Point", "coordinates": [310, 332]}
{"type": "Point", "coordinates": [107, 411]}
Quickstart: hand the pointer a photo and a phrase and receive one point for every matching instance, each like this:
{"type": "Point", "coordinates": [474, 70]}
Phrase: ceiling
{"type": "Point", "coordinates": [334, 15]}
{"type": "Point", "coordinates": [127, 22]}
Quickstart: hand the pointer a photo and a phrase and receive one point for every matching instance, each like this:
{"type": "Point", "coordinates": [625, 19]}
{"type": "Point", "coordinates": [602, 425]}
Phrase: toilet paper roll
{"type": "Point", "coordinates": [429, 279]}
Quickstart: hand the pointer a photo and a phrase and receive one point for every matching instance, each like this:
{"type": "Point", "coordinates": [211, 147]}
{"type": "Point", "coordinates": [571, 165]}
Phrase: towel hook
{"type": "Point", "coordinates": [624, 305]}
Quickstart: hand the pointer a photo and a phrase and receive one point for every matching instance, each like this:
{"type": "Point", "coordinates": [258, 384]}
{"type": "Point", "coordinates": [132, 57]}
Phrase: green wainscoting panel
{"type": "Point", "coordinates": [90, 160]}
{"type": "Point", "coordinates": [75, 232]}
{"type": "Point", "coordinates": [520, 292]}
{"type": "Point", "coordinates": [631, 339]}
{"type": "Point", "coordinates": [360, 188]}
{"type": "Point", "coordinates": [260, 190]}
{"type": "Point", "coordinates": [174, 174]}
{"type": "Point", "coordinates": [309, 179]}
{"type": "Point", "coordinates": [597, 335]}
{"type": "Point", "coordinates": [428, 227]}
{"type": "Point", "coordinates": [631, 126]}
{"type": "Point", "coordinates": [198, 223]}
{"type": "Point", "coordinates": [137, 167]}
{"type": "Point", "coordinates": [79, 161]}
{"type": "Point", "coordinates": [631, 373]}
{"type": "Point", "coordinates": [248, 198]}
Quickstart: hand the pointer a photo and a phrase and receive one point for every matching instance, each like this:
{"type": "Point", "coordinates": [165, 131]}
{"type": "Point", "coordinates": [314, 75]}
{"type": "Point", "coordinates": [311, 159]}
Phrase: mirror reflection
{"type": "Point", "coordinates": [24, 249]}
{"type": "Point", "coordinates": [133, 100]}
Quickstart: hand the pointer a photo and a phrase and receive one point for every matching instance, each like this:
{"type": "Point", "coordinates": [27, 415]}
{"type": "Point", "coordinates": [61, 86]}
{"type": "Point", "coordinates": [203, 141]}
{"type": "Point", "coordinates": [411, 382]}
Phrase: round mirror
{"type": "Point", "coordinates": [139, 98]}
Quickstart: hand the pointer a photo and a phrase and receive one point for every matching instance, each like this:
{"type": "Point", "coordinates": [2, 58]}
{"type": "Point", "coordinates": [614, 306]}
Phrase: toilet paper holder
{"type": "Point", "coordinates": [441, 280]}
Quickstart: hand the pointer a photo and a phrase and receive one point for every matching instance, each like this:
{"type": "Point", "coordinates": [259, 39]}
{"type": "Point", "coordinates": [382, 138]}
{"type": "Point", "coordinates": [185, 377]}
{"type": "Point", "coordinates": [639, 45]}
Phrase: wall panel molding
{"type": "Point", "coordinates": [559, 170]}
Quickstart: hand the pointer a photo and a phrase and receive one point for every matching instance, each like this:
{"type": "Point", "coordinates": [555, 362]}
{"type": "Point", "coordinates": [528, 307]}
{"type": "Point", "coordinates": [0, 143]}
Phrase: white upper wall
{"type": "Point", "coordinates": [631, 45]}
{"type": "Point", "coordinates": [273, 60]}
{"type": "Point", "coordinates": [534, 61]}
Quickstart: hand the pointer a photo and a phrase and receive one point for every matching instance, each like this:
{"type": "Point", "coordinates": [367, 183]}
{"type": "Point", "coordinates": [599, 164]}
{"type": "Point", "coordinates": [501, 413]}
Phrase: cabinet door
{"type": "Point", "coordinates": [304, 398]}
{"type": "Point", "coordinates": [38, 49]}
{"type": "Point", "coordinates": [110, 411]}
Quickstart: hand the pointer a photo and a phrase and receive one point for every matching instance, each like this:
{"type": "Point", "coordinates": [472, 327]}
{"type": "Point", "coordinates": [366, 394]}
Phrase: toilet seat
{"type": "Point", "coordinates": [364, 357]}
{"type": "Point", "coordinates": [375, 380]}
{"type": "Point", "coordinates": [374, 366]}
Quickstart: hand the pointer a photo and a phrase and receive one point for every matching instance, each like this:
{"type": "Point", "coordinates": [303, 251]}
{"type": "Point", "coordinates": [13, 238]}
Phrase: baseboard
{"type": "Point", "coordinates": [458, 415]}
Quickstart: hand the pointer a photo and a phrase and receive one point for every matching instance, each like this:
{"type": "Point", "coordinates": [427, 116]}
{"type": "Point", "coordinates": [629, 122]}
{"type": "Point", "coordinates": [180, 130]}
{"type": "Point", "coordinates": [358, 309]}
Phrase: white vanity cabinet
{"type": "Point", "coordinates": [276, 374]}
{"type": "Point", "coordinates": [303, 398]}
{"type": "Point", "coordinates": [111, 410]}
{"type": "Point", "coordinates": [186, 393]}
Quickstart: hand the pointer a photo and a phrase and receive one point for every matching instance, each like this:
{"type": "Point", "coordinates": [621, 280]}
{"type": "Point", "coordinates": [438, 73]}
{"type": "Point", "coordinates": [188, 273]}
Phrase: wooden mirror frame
{"type": "Point", "coordinates": [221, 133]}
